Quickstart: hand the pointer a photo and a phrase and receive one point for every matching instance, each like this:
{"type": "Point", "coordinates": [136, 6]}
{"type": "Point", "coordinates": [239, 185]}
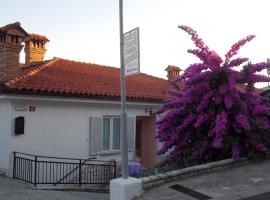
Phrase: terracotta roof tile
{"type": "Point", "coordinates": [65, 77]}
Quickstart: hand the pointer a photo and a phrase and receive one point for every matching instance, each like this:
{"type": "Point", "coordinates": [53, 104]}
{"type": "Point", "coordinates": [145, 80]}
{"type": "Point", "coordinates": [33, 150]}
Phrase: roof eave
{"type": "Point", "coordinates": [6, 90]}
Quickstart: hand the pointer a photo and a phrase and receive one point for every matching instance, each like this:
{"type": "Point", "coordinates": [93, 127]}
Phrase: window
{"type": "Point", "coordinates": [111, 133]}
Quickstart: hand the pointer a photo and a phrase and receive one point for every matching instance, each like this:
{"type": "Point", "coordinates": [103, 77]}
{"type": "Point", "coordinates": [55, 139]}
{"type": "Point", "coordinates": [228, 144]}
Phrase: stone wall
{"type": "Point", "coordinates": [33, 54]}
{"type": "Point", "coordinates": [9, 60]}
{"type": "Point", "coordinates": [158, 179]}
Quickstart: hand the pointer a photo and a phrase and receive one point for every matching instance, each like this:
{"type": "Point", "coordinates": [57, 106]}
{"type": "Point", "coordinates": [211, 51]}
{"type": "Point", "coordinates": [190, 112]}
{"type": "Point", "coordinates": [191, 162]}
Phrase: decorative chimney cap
{"type": "Point", "coordinates": [16, 25]}
{"type": "Point", "coordinates": [172, 68]}
{"type": "Point", "coordinates": [172, 72]}
{"type": "Point", "coordinates": [36, 37]}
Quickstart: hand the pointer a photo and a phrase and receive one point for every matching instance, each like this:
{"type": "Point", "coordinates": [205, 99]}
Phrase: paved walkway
{"type": "Point", "coordinates": [16, 190]}
{"type": "Point", "coordinates": [250, 182]}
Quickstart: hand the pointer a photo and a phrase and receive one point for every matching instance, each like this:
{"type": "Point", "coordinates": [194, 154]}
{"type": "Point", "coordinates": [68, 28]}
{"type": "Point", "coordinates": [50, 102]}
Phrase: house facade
{"type": "Point", "coordinates": [65, 108]}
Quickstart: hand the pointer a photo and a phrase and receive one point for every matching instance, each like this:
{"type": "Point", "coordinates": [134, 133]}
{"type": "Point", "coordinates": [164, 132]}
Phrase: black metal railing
{"type": "Point", "coordinates": [55, 170]}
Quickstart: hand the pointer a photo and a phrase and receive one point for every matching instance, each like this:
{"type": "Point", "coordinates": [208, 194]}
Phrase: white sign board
{"type": "Point", "coordinates": [132, 52]}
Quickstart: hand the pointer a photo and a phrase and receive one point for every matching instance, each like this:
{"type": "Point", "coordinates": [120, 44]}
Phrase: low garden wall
{"type": "Point", "coordinates": [161, 178]}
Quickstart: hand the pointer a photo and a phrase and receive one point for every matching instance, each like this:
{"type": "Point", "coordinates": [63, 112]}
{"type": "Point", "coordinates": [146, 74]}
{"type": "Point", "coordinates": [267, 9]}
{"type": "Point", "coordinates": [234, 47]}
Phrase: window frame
{"type": "Point", "coordinates": [111, 135]}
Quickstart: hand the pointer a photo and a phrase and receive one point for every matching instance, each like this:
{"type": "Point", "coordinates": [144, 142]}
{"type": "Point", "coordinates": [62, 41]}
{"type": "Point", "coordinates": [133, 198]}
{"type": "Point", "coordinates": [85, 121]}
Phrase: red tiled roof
{"type": "Point", "coordinates": [70, 78]}
{"type": "Point", "coordinates": [41, 38]}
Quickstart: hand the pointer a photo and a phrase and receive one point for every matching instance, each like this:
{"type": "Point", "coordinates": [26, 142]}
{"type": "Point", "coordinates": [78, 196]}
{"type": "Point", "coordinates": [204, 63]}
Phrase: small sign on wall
{"type": "Point", "coordinates": [21, 108]}
{"type": "Point", "coordinates": [25, 108]}
{"type": "Point", "coordinates": [32, 108]}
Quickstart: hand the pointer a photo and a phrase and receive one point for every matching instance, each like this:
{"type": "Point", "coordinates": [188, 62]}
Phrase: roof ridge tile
{"type": "Point", "coordinates": [88, 63]}
{"type": "Point", "coordinates": [31, 72]}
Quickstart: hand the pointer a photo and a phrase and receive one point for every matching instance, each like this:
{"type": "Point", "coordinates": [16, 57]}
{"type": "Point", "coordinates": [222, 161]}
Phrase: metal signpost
{"type": "Point", "coordinates": [129, 57]}
{"type": "Point", "coordinates": [123, 120]}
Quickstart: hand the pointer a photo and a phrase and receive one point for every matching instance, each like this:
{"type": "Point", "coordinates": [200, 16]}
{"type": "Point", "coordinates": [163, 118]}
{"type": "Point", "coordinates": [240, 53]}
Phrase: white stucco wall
{"type": "Point", "coordinates": [5, 131]}
{"type": "Point", "coordinates": [56, 128]}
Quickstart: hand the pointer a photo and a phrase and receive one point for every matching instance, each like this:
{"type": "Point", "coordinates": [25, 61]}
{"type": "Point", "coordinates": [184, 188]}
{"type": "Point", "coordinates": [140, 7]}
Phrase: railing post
{"type": "Point", "coordinates": [114, 165]}
{"type": "Point", "coordinates": [80, 173]}
{"type": "Point", "coordinates": [14, 165]}
{"type": "Point", "coordinates": [35, 175]}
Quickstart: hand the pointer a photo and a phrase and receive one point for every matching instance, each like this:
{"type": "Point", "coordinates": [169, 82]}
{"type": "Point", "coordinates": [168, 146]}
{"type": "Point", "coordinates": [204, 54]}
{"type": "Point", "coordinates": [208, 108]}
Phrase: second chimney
{"type": "Point", "coordinates": [34, 49]}
{"type": "Point", "coordinates": [172, 72]}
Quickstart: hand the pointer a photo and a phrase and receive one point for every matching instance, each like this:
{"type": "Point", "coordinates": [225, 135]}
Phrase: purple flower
{"type": "Point", "coordinates": [201, 54]}
{"type": "Point", "coordinates": [216, 107]}
{"type": "Point", "coordinates": [242, 120]}
{"type": "Point", "coordinates": [261, 147]}
{"type": "Point", "coordinates": [200, 120]}
{"type": "Point", "coordinates": [256, 78]}
{"type": "Point", "coordinates": [259, 109]}
{"type": "Point", "coordinates": [221, 123]}
{"type": "Point", "coordinates": [217, 142]}
{"type": "Point", "coordinates": [194, 36]}
{"type": "Point", "coordinates": [259, 66]}
{"type": "Point", "coordinates": [228, 102]}
{"type": "Point", "coordinates": [236, 62]}
{"type": "Point", "coordinates": [193, 69]}
{"type": "Point", "coordinates": [257, 144]}
{"type": "Point", "coordinates": [235, 152]}
{"type": "Point", "coordinates": [265, 123]}
{"type": "Point", "coordinates": [223, 89]}
{"type": "Point", "coordinates": [205, 101]}
{"type": "Point", "coordinates": [236, 47]}
{"type": "Point", "coordinates": [218, 99]}
{"type": "Point", "coordinates": [188, 121]}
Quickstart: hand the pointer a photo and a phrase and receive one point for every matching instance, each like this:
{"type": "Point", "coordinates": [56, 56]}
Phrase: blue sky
{"type": "Point", "coordinates": [88, 30]}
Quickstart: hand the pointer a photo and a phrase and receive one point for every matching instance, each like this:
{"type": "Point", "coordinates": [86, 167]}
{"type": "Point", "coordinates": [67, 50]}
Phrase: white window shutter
{"type": "Point", "coordinates": [131, 132]}
{"type": "Point", "coordinates": [95, 135]}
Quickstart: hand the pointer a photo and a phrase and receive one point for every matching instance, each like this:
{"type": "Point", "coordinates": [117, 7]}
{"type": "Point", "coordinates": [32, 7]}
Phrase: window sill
{"type": "Point", "coordinates": [112, 152]}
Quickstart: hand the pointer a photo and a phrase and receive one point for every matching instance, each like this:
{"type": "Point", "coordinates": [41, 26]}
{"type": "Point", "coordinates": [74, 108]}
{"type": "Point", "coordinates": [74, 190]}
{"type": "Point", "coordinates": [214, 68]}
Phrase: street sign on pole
{"type": "Point", "coordinates": [132, 52]}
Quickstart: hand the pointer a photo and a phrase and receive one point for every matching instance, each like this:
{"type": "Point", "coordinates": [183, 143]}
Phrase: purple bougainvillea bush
{"type": "Point", "coordinates": [217, 112]}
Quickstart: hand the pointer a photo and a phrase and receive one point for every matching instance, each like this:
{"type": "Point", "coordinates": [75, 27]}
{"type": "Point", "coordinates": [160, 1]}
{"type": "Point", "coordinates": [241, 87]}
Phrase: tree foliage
{"type": "Point", "coordinates": [217, 111]}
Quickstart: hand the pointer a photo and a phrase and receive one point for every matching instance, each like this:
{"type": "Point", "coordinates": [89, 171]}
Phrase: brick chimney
{"type": "Point", "coordinates": [34, 49]}
{"type": "Point", "coordinates": [11, 38]}
{"type": "Point", "coordinates": [172, 72]}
